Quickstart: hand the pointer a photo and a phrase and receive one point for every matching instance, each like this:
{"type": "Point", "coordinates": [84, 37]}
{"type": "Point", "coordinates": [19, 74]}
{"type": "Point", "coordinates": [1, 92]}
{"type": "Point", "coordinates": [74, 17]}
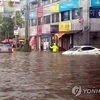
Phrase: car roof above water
{"type": "Point", "coordinates": [5, 44]}
{"type": "Point", "coordinates": [85, 46]}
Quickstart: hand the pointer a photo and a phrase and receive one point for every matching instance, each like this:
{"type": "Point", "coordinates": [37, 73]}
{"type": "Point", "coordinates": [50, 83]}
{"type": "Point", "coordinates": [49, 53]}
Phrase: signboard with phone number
{"type": "Point", "coordinates": [94, 13]}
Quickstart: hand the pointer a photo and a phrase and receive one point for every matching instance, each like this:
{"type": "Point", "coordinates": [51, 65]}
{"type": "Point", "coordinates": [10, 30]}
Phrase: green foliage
{"type": "Point", "coordinates": [18, 19]}
{"type": "Point", "coordinates": [26, 47]}
{"type": "Point", "coordinates": [6, 26]}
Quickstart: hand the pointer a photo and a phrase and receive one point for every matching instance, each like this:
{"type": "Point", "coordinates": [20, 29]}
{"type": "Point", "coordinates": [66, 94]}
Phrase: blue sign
{"type": "Point", "coordinates": [16, 27]}
{"type": "Point", "coordinates": [68, 5]}
{"type": "Point", "coordinates": [95, 3]}
{"type": "Point", "coordinates": [32, 14]}
{"type": "Point", "coordinates": [7, 15]}
{"type": "Point", "coordinates": [94, 13]}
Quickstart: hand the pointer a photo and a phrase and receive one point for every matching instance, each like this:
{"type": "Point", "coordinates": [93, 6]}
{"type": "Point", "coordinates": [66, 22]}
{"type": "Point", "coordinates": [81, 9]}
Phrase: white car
{"type": "Point", "coordinates": [5, 48]}
{"type": "Point", "coordinates": [82, 50]}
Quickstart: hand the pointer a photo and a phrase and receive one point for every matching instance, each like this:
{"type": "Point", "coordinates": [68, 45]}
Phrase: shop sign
{"type": "Point", "coordinates": [54, 8]}
{"type": "Point", "coordinates": [95, 3]}
{"type": "Point", "coordinates": [68, 5]}
{"type": "Point", "coordinates": [33, 31]}
{"type": "Point", "coordinates": [64, 26]}
{"type": "Point", "coordinates": [45, 29]}
{"type": "Point", "coordinates": [94, 13]}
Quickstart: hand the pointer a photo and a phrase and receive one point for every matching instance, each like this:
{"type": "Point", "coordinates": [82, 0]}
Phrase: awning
{"type": "Point", "coordinates": [59, 35]}
{"type": "Point", "coordinates": [73, 31]}
{"type": "Point", "coordinates": [21, 40]}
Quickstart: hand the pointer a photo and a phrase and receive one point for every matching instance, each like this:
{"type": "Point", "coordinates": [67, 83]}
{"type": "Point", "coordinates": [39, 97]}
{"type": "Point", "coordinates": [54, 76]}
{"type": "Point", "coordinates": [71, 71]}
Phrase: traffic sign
{"type": "Point", "coordinates": [16, 27]}
{"type": "Point", "coordinates": [16, 30]}
{"type": "Point", "coordinates": [7, 15]}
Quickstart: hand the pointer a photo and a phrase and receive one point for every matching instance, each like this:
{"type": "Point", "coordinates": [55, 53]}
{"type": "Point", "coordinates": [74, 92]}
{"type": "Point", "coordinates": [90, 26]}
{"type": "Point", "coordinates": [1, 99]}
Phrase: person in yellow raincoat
{"type": "Point", "coordinates": [54, 48]}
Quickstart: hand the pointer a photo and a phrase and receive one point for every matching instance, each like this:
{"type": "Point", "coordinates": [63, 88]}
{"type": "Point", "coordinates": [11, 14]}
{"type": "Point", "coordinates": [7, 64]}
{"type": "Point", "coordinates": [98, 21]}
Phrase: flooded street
{"type": "Point", "coordinates": [48, 76]}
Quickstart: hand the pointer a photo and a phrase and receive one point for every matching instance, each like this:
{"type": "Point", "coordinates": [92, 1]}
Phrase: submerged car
{"type": "Point", "coordinates": [82, 50]}
{"type": "Point", "coordinates": [6, 48]}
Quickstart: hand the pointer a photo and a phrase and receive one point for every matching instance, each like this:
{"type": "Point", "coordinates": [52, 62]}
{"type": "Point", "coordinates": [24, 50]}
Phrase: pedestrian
{"type": "Point", "coordinates": [54, 48]}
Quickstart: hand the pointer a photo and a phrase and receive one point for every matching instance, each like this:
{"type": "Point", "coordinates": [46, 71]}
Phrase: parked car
{"type": "Point", "coordinates": [6, 48]}
{"type": "Point", "coordinates": [82, 50]}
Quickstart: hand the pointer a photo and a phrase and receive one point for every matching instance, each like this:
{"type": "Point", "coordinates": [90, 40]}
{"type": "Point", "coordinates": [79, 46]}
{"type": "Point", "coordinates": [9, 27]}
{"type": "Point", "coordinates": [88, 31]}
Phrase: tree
{"type": "Point", "coordinates": [6, 28]}
{"type": "Point", "coordinates": [7, 25]}
{"type": "Point", "coordinates": [17, 18]}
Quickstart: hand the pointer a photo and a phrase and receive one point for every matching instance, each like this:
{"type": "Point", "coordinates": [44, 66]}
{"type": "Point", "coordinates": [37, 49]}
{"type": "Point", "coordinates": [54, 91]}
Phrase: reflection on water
{"type": "Point", "coordinates": [47, 76]}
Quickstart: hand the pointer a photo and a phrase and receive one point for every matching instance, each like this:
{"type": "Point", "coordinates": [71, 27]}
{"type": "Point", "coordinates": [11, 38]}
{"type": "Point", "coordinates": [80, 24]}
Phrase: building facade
{"type": "Point", "coordinates": [66, 22]}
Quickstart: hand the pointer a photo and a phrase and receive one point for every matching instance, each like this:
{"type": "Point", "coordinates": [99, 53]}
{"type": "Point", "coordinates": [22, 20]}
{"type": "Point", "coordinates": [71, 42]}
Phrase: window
{"type": "Point", "coordinates": [55, 17]}
{"type": "Point", "coordinates": [39, 21]}
{"type": "Point", "coordinates": [54, 28]}
{"type": "Point", "coordinates": [33, 22]}
{"type": "Point", "coordinates": [32, 6]}
{"type": "Point", "coordinates": [65, 16]}
{"type": "Point", "coordinates": [74, 49]}
{"type": "Point", "coordinates": [46, 19]}
{"type": "Point", "coordinates": [87, 48]}
{"type": "Point", "coordinates": [76, 13]}
{"type": "Point", "coordinates": [44, 2]}
{"type": "Point", "coordinates": [55, 0]}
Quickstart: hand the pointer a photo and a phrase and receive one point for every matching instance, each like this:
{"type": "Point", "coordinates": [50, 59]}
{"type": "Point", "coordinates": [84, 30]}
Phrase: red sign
{"type": "Point", "coordinates": [1, 2]}
{"type": "Point", "coordinates": [39, 29]}
{"type": "Point", "coordinates": [39, 12]}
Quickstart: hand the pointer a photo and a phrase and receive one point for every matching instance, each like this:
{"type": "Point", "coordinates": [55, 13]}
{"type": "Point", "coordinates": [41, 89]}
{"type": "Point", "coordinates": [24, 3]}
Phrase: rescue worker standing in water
{"type": "Point", "coordinates": [54, 48]}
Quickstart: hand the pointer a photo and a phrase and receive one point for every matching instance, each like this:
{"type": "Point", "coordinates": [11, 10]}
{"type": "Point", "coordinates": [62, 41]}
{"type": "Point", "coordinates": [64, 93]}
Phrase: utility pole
{"type": "Point", "coordinates": [26, 47]}
{"type": "Point", "coordinates": [86, 24]}
{"type": "Point", "coordinates": [27, 21]}
{"type": "Point", "coordinates": [15, 23]}
{"type": "Point", "coordinates": [15, 35]}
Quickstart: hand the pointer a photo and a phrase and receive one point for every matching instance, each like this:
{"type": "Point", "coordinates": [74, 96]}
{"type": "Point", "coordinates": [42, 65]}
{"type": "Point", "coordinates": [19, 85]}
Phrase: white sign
{"type": "Point", "coordinates": [33, 31]}
{"type": "Point", "coordinates": [45, 29]}
{"type": "Point", "coordinates": [1, 9]}
{"type": "Point", "coordinates": [16, 32]}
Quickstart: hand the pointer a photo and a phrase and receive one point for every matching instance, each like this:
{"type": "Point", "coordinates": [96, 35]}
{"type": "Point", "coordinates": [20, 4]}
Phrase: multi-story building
{"type": "Point", "coordinates": [66, 22]}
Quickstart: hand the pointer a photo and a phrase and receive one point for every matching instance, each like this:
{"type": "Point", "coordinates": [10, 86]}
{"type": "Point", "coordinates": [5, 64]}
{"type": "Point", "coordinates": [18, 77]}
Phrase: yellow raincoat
{"type": "Point", "coordinates": [54, 48]}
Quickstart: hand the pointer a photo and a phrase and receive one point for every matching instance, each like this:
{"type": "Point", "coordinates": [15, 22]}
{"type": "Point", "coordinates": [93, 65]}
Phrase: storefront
{"type": "Point", "coordinates": [45, 41]}
{"type": "Point", "coordinates": [54, 29]}
{"type": "Point", "coordinates": [45, 37]}
{"type": "Point", "coordinates": [64, 40]}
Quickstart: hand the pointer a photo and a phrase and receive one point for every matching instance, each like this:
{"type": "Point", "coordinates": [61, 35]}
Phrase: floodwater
{"type": "Point", "coordinates": [48, 76]}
